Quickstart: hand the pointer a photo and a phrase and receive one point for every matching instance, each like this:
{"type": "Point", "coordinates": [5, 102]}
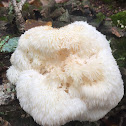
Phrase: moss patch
{"type": "Point", "coordinates": [100, 17]}
{"type": "Point", "coordinates": [118, 46]}
{"type": "Point", "coordinates": [119, 19]}
{"type": "Point", "coordinates": [3, 18]}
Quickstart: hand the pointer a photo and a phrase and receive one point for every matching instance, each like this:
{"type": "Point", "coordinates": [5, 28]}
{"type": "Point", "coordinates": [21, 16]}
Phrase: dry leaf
{"type": "Point", "coordinates": [86, 6]}
{"type": "Point", "coordinates": [1, 4]}
{"type": "Point", "coordinates": [36, 3]}
{"type": "Point", "coordinates": [115, 32]}
{"type": "Point", "coordinates": [4, 3]}
{"type": "Point", "coordinates": [34, 23]}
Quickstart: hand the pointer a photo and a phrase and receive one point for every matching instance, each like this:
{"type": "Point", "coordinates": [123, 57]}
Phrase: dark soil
{"type": "Point", "coordinates": [108, 8]}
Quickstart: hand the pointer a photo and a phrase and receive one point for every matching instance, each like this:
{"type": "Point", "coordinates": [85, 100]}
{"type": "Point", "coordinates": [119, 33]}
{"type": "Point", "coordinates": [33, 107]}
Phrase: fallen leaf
{"type": "Point", "coordinates": [36, 3]}
{"type": "Point", "coordinates": [115, 32]}
{"type": "Point", "coordinates": [4, 3]}
{"type": "Point", "coordinates": [1, 4]}
{"type": "Point", "coordinates": [34, 23]}
{"type": "Point", "coordinates": [86, 6]}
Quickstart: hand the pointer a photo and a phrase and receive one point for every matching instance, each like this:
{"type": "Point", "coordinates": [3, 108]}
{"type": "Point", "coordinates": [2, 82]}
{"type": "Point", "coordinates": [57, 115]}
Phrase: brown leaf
{"type": "Point", "coordinates": [34, 23]}
{"type": "Point", "coordinates": [86, 6]}
{"type": "Point", "coordinates": [4, 3]}
{"type": "Point", "coordinates": [36, 3]}
{"type": "Point", "coordinates": [115, 32]}
{"type": "Point", "coordinates": [1, 4]}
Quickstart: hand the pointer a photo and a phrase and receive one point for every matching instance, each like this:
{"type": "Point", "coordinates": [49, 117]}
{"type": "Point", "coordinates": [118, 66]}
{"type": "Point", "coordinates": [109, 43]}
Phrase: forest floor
{"type": "Point", "coordinates": [11, 114]}
{"type": "Point", "coordinates": [108, 8]}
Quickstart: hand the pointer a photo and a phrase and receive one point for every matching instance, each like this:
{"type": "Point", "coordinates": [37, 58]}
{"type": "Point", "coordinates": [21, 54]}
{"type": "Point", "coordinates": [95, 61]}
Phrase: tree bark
{"type": "Point", "coordinates": [19, 18]}
{"type": "Point", "coordinates": [20, 4]}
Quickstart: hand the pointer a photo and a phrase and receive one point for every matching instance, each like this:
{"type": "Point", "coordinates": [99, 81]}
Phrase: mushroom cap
{"type": "Point", "coordinates": [65, 74]}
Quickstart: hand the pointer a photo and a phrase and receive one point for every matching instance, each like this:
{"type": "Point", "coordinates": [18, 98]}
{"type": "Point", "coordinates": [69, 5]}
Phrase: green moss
{"type": "Point", "coordinates": [26, 6]}
{"type": "Point", "coordinates": [18, 1]}
{"type": "Point", "coordinates": [3, 18]}
{"type": "Point", "coordinates": [100, 17]}
{"type": "Point", "coordinates": [119, 19]}
{"type": "Point", "coordinates": [111, 7]}
{"type": "Point", "coordinates": [118, 46]}
{"type": "Point", "coordinates": [40, 8]}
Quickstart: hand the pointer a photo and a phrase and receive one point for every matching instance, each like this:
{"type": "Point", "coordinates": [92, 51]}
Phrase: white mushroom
{"type": "Point", "coordinates": [65, 74]}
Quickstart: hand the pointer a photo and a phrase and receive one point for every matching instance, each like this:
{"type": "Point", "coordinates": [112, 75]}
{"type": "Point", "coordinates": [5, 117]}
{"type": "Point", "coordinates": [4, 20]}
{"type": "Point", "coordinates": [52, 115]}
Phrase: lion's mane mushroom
{"type": "Point", "coordinates": [65, 74]}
